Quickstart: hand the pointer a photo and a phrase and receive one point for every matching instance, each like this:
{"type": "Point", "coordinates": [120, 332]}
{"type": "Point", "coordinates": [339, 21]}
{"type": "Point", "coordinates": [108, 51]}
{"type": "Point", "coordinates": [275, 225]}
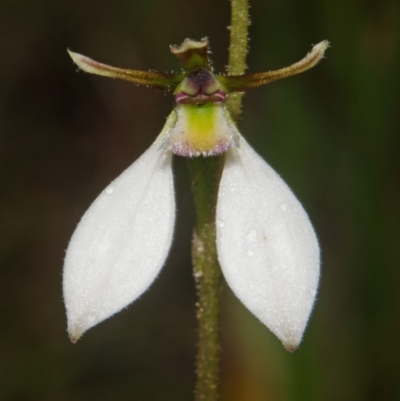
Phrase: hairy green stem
{"type": "Point", "coordinates": [238, 49]}
{"type": "Point", "coordinates": [205, 175]}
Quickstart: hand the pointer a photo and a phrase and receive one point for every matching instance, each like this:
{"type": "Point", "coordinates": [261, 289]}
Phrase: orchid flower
{"type": "Point", "coordinates": [266, 245]}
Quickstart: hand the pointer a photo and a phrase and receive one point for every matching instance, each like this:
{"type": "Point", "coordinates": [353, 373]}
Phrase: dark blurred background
{"type": "Point", "coordinates": [332, 133]}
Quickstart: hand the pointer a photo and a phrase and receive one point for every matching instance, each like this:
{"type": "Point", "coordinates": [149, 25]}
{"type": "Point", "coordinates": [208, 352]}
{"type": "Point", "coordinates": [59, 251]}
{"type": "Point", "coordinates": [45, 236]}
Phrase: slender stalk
{"type": "Point", "coordinates": [205, 175]}
{"type": "Point", "coordinates": [238, 49]}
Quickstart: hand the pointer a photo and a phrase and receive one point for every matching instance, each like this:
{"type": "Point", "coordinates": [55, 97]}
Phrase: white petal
{"type": "Point", "coordinates": [267, 247]}
{"type": "Point", "coordinates": [121, 243]}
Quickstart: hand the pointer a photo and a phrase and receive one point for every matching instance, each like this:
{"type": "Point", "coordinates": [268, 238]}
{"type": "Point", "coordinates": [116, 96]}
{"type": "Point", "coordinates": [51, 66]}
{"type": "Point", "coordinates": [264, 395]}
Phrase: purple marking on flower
{"type": "Point", "coordinates": [217, 97]}
{"type": "Point", "coordinates": [184, 149]}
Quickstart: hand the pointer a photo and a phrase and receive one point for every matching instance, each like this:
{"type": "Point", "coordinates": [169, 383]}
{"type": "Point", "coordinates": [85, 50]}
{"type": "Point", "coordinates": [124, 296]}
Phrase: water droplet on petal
{"type": "Point", "coordinates": [109, 190]}
{"type": "Point", "coordinates": [283, 207]}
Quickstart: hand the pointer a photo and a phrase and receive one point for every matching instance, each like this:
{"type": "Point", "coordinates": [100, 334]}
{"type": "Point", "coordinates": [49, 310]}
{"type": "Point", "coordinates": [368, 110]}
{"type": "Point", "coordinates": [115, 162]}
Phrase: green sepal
{"type": "Point", "coordinates": [242, 83]}
{"type": "Point", "coordinates": [154, 79]}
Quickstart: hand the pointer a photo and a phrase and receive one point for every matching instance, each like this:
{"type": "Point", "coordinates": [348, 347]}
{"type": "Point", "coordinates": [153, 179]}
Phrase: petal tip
{"type": "Point", "coordinates": [76, 327]}
{"type": "Point", "coordinates": [292, 337]}
{"type": "Point", "coordinates": [76, 57]}
{"type": "Point", "coordinates": [74, 335]}
{"type": "Point", "coordinates": [291, 346]}
{"type": "Point", "coordinates": [321, 46]}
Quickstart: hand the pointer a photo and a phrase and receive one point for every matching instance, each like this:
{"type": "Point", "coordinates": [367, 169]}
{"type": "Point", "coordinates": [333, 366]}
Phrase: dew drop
{"type": "Point", "coordinates": [221, 223]}
{"type": "Point", "coordinates": [109, 190]}
{"type": "Point", "coordinates": [283, 207]}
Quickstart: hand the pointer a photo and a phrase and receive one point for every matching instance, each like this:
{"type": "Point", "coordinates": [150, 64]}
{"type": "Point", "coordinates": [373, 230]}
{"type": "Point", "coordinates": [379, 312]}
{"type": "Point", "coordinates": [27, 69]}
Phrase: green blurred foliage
{"type": "Point", "coordinates": [332, 133]}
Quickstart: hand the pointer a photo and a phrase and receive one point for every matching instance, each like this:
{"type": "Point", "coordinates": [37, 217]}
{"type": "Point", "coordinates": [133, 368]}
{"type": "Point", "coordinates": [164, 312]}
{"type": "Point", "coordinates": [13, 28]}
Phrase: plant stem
{"type": "Point", "coordinates": [205, 175]}
{"type": "Point", "coordinates": [238, 49]}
